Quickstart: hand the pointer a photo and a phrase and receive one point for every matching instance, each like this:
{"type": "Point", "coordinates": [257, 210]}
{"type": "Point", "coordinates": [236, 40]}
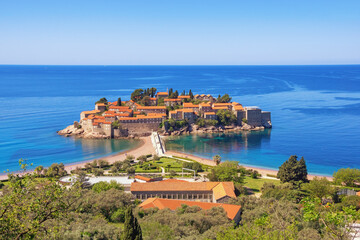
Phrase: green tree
{"type": "Point", "coordinates": [227, 171]}
{"type": "Point", "coordinates": [119, 102]}
{"type": "Point", "coordinates": [224, 99]}
{"type": "Point", "coordinates": [152, 92]}
{"type": "Point", "coordinates": [39, 170]}
{"type": "Point", "coordinates": [116, 124]}
{"type": "Point", "coordinates": [105, 186]}
{"type": "Point", "coordinates": [319, 188]}
{"type": "Point", "coordinates": [191, 94]}
{"type": "Point", "coordinates": [132, 229]}
{"type": "Point", "coordinates": [293, 170]}
{"type": "Point", "coordinates": [217, 159]}
{"type": "Point", "coordinates": [347, 176]}
{"type": "Point", "coordinates": [102, 100]}
{"type": "Point", "coordinates": [27, 207]}
{"type": "Point", "coordinates": [137, 95]}
{"type": "Point", "coordinates": [145, 101]}
{"type": "Point", "coordinates": [226, 117]}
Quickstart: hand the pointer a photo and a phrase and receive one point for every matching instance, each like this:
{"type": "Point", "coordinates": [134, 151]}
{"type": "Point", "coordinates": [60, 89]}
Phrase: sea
{"type": "Point", "coordinates": [315, 112]}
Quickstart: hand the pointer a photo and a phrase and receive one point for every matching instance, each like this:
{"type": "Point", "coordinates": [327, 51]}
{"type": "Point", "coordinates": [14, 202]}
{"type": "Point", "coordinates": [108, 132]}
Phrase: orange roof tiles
{"type": "Point", "coordinates": [238, 108]}
{"type": "Point", "coordinates": [101, 104]}
{"type": "Point", "coordinates": [230, 209]}
{"type": "Point", "coordinates": [150, 107]}
{"type": "Point", "coordinates": [220, 108]}
{"type": "Point", "coordinates": [186, 110]}
{"type": "Point", "coordinates": [221, 104]}
{"type": "Point", "coordinates": [172, 100]}
{"type": "Point", "coordinates": [91, 112]}
{"type": "Point", "coordinates": [176, 185]}
{"type": "Point", "coordinates": [137, 112]}
{"type": "Point", "coordinates": [119, 107]}
{"type": "Point", "coordinates": [184, 97]}
{"type": "Point", "coordinates": [162, 93]}
{"type": "Point", "coordinates": [128, 118]}
{"type": "Point", "coordinates": [146, 179]}
{"type": "Point", "coordinates": [205, 104]}
{"type": "Point", "coordinates": [153, 99]}
{"type": "Point", "coordinates": [157, 114]}
{"type": "Point", "coordinates": [190, 105]}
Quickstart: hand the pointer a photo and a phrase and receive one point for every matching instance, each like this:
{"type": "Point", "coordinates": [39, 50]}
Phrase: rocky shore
{"type": "Point", "coordinates": [195, 129]}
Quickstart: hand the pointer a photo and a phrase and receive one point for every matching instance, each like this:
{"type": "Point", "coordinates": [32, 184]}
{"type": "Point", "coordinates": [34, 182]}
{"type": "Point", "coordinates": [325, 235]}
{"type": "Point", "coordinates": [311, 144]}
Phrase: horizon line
{"type": "Point", "coordinates": [180, 65]}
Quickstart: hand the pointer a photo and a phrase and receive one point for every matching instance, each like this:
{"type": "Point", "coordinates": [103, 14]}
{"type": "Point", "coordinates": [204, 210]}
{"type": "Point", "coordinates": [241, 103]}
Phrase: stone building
{"type": "Point", "coordinates": [100, 106]}
{"type": "Point", "coordinates": [193, 107]}
{"type": "Point", "coordinates": [162, 95]}
{"type": "Point", "coordinates": [184, 190]}
{"type": "Point", "coordinates": [152, 109]}
{"type": "Point", "coordinates": [172, 101]}
{"type": "Point", "coordinates": [210, 115]}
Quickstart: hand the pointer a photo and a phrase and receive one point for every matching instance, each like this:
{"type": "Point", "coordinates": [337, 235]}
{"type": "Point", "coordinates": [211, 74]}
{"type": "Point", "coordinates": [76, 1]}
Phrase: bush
{"type": "Point", "coordinates": [105, 186]}
{"type": "Point", "coordinates": [98, 172]}
{"type": "Point", "coordinates": [130, 170]}
{"type": "Point", "coordinates": [118, 216]}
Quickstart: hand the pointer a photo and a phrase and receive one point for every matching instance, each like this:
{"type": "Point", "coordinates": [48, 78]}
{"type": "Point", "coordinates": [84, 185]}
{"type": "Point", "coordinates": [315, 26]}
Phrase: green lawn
{"type": "Point", "coordinates": [175, 165]}
{"type": "Point", "coordinates": [256, 184]}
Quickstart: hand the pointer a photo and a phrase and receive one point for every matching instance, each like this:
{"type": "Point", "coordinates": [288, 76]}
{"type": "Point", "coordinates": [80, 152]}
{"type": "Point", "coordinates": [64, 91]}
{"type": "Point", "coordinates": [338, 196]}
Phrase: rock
{"type": "Point", "coordinates": [246, 127]}
{"type": "Point", "coordinates": [76, 124]}
{"type": "Point", "coordinates": [268, 124]}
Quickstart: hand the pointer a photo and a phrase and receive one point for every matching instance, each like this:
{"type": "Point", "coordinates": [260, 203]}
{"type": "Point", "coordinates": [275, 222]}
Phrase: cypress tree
{"type": "Point", "coordinates": [302, 170]}
{"type": "Point", "coordinates": [191, 94]}
{"type": "Point", "coordinates": [119, 102]}
{"type": "Point", "coordinates": [132, 229]}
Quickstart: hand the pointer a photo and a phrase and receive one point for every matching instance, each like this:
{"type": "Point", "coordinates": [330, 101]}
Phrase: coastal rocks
{"type": "Point", "coordinates": [267, 124]}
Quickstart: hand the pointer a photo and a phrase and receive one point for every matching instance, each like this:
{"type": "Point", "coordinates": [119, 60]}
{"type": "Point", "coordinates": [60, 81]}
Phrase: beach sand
{"type": "Point", "coordinates": [262, 171]}
{"type": "Point", "coordinates": [146, 147]}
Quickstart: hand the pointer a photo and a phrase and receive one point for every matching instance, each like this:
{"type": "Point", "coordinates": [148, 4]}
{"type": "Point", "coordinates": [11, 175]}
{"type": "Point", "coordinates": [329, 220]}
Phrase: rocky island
{"type": "Point", "coordinates": [168, 113]}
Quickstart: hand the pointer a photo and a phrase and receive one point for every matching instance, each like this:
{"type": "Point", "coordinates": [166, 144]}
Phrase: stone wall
{"type": "Point", "coordinates": [265, 117]}
{"type": "Point", "coordinates": [253, 116]}
{"type": "Point", "coordinates": [140, 128]}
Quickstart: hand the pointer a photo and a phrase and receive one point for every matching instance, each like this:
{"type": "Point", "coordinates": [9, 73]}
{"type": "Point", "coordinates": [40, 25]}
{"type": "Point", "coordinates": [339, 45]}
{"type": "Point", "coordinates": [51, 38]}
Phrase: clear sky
{"type": "Point", "coordinates": [179, 32]}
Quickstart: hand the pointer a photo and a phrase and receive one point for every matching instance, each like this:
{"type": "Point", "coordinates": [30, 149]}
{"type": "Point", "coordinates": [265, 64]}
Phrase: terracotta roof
{"type": "Point", "coordinates": [151, 107]}
{"type": "Point", "coordinates": [148, 117]}
{"type": "Point", "coordinates": [183, 97]}
{"type": "Point", "coordinates": [106, 122]}
{"type": "Point", "coordinates": [99, 117]}
{"type": "Point", "coordinates": [190, 105]}
{"type": "Point", "coordinates": [160, 203]}
{"type": "Point", "coordinates": [153, 99]}
{"type": "Point", "coordinates": [221, 104]}
{"type": "Point", "coordinates": [95, 124]}
{"type": "Point", "coordinates": [119, 107]}
{"type": "Point", "coordinates": [162, 93]}
{"type": "Point", "coordinates": [205, 104]}
{"type": "Point", "coordinates": [146, 179]}
{"type": "Point", "coordinates": [172, 100]}
{"type": "Point", "coordinates": [137, 112]}
{"type": "Point", "coordinates": [238, 108]}
{"type": "Point", "coordinates": [122, 114]}
{"type": "Point", "coordinates": [186, 110]}
{"type": "Point", "coordinates": [91, 112]}
{"type": "Point", "coordinates": [128, 118]}
{"type": "Point", "coordinates": [157, 114]}
{"type": "Point", "coordinates": [220, 108]}
{"type": "Point", "coordinates": [175, 185]}
{"type": "Point", "coordinates": [101, 104]}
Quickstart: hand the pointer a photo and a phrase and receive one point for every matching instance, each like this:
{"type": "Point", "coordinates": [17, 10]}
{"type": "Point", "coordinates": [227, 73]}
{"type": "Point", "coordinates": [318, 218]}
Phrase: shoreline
{"type": "Point", "coordinates": [262, 170]}
{"type": "Point", "coordinates": [145, 147]}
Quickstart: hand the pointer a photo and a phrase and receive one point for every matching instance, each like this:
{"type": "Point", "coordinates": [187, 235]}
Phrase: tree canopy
{"type": "Point", "coordinates": [293, 170]}
{"type": "Point", "coordinates": [347, 176]}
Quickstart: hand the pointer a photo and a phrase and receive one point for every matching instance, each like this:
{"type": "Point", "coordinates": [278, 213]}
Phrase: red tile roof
{"type": "Point", "coordinates": [183, 97]}
{"type": "Point", "coordinates": [160, 203]}
{"type": "Point", "coordinates": [190, 105]}
{"type": "Point", "coordinates": [150, 107]}
{"type": "Point", "coordinates": [220, 189]}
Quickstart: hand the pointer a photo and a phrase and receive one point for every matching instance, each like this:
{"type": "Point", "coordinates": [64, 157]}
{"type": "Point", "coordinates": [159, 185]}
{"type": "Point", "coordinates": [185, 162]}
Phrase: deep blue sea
{"type": "Point", "coordinates": [315, 111]}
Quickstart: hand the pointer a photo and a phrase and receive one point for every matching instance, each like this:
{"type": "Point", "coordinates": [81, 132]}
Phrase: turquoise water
{"type": "Point", "coordinates": [315, 111]}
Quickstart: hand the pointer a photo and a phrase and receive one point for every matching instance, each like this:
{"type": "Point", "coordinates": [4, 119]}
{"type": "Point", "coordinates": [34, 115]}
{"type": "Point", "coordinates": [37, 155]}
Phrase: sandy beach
{"type": "Point", "coordinates": [144, 148]}
{"type": "Point", "coordinates": [262, 171]}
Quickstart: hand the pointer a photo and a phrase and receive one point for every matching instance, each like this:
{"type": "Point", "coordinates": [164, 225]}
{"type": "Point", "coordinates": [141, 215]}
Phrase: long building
{"type": "Point", "coordinates": [184, 190]}
{"type": "Point", "coordinates": [233, 212]}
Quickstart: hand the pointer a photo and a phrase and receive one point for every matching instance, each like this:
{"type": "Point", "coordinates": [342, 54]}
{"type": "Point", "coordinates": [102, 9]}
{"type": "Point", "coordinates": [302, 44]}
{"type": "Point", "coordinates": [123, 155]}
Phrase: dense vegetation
{"type": "Point", "coordinates": [40, 208]}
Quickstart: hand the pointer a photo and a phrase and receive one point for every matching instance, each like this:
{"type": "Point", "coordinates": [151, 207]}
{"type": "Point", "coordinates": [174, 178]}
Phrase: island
{"type": "Point", "coordinates": [168, 113]}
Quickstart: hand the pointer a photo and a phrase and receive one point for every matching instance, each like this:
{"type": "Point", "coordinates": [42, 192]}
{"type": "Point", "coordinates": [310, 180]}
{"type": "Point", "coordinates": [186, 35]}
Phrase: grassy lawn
{"type": "Point", "coordinates": [256, 184]}
{"type": "Point", "coordinates": [174, 164]}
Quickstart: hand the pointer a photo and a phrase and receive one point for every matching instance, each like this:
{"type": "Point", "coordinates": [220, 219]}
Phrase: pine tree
{"type": "Point", "coordinates": [293, 170]}
{"type": "Point", "coordinates": [119, 102]}
{"type": "Point", "coordinates": [132, 229]}
{"type": "Point", "coordinates": [183, 93]}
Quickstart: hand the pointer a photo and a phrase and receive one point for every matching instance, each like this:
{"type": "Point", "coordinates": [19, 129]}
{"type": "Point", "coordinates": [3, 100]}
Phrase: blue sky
{"type": "Point", "coordinates": [180, 32]}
